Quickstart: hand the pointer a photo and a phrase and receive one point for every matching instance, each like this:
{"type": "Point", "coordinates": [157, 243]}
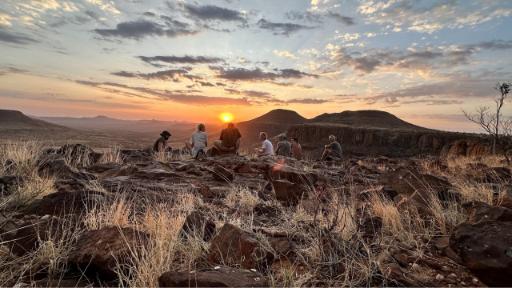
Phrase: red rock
{"type": "Point", "coordinates": [485, 248]}
{"type": "Point", "coordinates": [98, 252]}
{"type": "Point", "coordinates": [197, 224]}
{"type": "Point", "coordinates": [221, 277]}
{"type": "Point", "coordinates": [234, 246]}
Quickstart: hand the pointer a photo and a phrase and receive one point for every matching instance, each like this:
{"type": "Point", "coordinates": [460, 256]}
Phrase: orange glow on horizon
{"type": "Point", "coordinates": [226, 117]}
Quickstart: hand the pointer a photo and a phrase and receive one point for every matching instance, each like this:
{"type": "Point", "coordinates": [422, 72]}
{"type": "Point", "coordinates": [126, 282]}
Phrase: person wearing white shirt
{"type": "Point", "coordinates": [199, 142]}
{"type": "Point", "coordinates": [267, 149]}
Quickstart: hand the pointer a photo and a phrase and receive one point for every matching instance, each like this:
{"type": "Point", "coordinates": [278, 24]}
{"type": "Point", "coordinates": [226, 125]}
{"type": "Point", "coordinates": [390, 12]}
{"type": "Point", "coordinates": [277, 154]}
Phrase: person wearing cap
{"type": "Point", "coordinates": [161, 144]}
{"type": "Point", "coordinates": [332, 151]}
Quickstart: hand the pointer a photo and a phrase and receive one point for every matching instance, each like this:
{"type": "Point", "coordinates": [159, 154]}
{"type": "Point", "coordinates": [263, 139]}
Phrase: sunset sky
{"type": "Point", "coordinates": [424, 61]}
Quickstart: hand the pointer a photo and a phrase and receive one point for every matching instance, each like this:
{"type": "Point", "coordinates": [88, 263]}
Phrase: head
{"type": "Point", "coordinates": [294, 139]}
{"type": "Point", "coordinates": [263, 136]}
{"type": "Point", "coordinates": [201, 127]}
{"type": "Point", "coordinates": [165, 134]}
{"type": "Point", "coordinates": [283, 138]}
{"type": "Point", "coordinates": [231, 125]}
{"type": "Point", "coordinates": [332, 138]}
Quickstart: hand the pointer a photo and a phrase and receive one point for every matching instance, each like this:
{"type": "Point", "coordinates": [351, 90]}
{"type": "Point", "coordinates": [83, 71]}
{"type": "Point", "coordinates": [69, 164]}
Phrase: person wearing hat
{"type": "Point", "coordinates": [161, 143]}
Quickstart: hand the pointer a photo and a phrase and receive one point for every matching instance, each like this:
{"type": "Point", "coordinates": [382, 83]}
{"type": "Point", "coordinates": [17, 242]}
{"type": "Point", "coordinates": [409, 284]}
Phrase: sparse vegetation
{"type": "Point", "coordinates": [335, 234]}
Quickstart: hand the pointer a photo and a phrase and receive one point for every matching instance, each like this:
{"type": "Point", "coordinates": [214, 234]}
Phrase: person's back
{"type": "Point", "coordinates": [336, 149]}
{"type": "Point", "coordinates": [161, 143]}
{"type": "Point", "coordinates": [199, 142]}
{"type": "Point", "coordinates": [230, 136]}
{"type": "Point", "coordinates": [267, 149]}
{"type": "Point", "coordinates": [284, 148]}
{"type": "Point", "coordinates": [296, 150]}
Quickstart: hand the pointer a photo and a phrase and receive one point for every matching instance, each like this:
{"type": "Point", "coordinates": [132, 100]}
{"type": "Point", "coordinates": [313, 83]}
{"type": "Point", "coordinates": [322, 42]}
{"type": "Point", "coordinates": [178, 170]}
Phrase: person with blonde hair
{"type": "Point", "coordinates": [332, 151]}
{"type": "Point", "coordinates": [199, 141]}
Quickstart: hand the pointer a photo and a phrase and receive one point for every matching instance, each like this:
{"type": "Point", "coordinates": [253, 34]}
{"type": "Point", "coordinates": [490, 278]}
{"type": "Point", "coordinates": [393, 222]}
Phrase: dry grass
{"type": "Point", "coordinates": [331, 251]}
{"type": "Point", "coordinates": [20, 159]}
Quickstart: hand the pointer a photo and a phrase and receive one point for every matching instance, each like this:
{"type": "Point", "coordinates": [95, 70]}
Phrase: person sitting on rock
{"type": "Point", "coordinates": [284, 147]}
{"type": "Point", "coordinates": [199, 142]}
{"type": "Point", "coordinates": [296, 149]}
{"type": "Point", "coordinates": [267, 149]}
{"type": "Point", "coordinates": [161, 144]}
{"type": "Point", "coordinates": [229, 141]}
{"type": "Point", "coordinates": [332, 151]}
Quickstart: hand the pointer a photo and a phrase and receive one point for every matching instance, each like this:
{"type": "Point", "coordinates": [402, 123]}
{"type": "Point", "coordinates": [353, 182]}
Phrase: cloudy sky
{"type": "Point", "coordinates": [422, 60]}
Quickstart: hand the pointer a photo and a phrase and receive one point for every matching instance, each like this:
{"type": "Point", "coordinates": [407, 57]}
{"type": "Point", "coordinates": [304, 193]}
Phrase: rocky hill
{"type": "Point", "coordinates": [16, 120]}
{"type": "Point", "coordinates": [274, 123]}
{"type": "Point", "coordinates": [366, 119]}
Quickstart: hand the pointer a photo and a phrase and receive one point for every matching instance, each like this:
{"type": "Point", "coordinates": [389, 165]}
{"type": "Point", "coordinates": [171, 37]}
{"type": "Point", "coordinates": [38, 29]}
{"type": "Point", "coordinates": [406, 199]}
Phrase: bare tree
{"type": "Point", "coordinates": [491, 120]}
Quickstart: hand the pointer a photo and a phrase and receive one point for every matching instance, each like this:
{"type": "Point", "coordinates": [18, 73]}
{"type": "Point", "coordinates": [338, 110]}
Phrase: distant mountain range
{"type": "Point", "coordinates": [15, 120]}
{"type": "Point", "coordinates": [274, 123]}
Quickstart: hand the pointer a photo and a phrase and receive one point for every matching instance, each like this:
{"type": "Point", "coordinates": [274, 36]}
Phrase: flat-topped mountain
{"type": "Point", "coordinates": [279, 116]}
{"type": "Point", "coordinates": [366, 119]}
{"type": "Point", "coordinates": [16, 120]}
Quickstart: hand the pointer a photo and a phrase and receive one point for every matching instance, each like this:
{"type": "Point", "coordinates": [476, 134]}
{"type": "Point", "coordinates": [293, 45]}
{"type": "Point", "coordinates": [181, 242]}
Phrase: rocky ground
{"type": "Point", "coordinates": [73, 217]}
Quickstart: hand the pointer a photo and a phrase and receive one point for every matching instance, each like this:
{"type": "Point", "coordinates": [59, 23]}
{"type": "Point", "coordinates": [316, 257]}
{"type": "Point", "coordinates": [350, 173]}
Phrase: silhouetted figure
{"type": "Point", "coordinates": [284, 147]}
{"type": "Point", "coordinates": [199, 142]}
{"type": "Point", "coordinates": [229, 141]}
{"type": "Point", "coordinates": [161, 144]}
{"type": "Point", "coordinates": [296, 149]}
{"type": "Point", "coordinates": [332, 151]}
{"type": "Point", "coordinates": [267, 149]}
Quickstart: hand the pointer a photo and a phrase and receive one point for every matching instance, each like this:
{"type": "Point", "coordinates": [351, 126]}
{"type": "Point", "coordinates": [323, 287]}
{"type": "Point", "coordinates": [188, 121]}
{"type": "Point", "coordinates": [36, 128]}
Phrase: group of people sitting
{"type": "Point", "coordinates": [229, 143]}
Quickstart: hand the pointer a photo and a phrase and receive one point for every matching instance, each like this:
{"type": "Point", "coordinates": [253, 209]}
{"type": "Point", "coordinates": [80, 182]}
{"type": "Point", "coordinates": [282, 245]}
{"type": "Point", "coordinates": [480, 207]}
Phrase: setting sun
{"type": "Point", "coordinates": [226, 117]}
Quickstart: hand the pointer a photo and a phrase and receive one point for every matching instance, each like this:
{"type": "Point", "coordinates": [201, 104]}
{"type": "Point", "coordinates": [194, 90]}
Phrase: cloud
{"type": "Point", "coordinates": [307, 101]}
{"type": "Point", "coordinates": [15, 38]}
{"type": "Point", "coordinates": [157, 60]}
{"type": "Point", "coordinates": [142, 28]}
{"type": "Point", "coordinates": [425, 58]}
{"type": "Point", "coordinates": [285, 29]}
{"type": "Point", "coordinates": [105, 5]}
{"type": "Point", "coordinates": [179, 96]}
{"type": "Point", "coordinates": [349, 21]}
{"type": "Point", "coordinates": [429, 17]}
{"type": "Point", "coordinates": [284, 54]}
{"type": "Point", "coordinates": [211, 12]}
{"type": "Point", "coordinates": [243, 74]}
{"type": "Point", "coordinates": [250, 93]}
{"type": "Point", "coordinates": [172, 74]}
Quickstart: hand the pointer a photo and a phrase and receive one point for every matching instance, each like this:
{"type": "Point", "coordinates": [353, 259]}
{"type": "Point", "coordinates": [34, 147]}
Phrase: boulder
{"type": "Point", "coordinates": [136, 156]}
{"type": "Point", "coordinates": [280, 171]}
{"type": "Point", "coordinates": [61, 203]}
{"type": "Point", "coordinates": [222, 174]}
{"type": "Point", "coordinates": [8, 184]}
{"type": "Point", "coordinates": [79, 155]}
{"type": "Point", "coordinates": [99, 252]}
{"type": "Point", "coordinates": [288, 193]}
{"type": "Point", "coordinates": [482, 212]}
{"type": "Point", "coordinates": [419, 187]}
{"type": "Point", "coordinates": [24, 235]}
{"type": "Point", "coordinates": [197, 224]}
{"type": "Point", "coordinates": [219, 277]}
{"type": "Point", "coordinates": [506, 197]}
{"type": "Point", "coordinates": [403, 268]}
{"type": "Point", "coordinates": [234, 246]}
{"type": "Point", "coordinates": [485, 248]}
{"type": "Point", "coordinates": [59, 169]}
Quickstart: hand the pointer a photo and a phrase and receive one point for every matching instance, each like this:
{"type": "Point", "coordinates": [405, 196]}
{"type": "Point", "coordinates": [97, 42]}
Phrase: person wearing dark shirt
{"type": "Point", "coordinates": [284, 147]}
{"type": "Point", "coordinates": [332, 151]}
{"type": "Point", "coordinates": [161, 143]}
{"type": "Point", "coordinates": [229, 140]}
